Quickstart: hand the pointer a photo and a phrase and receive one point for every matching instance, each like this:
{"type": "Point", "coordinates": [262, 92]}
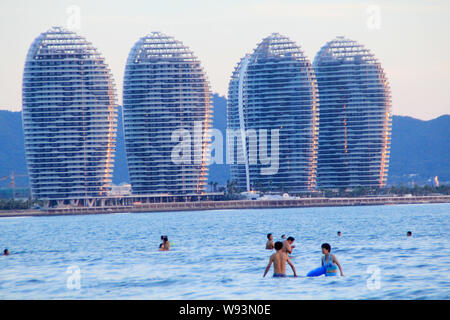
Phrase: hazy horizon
{"type": "Point", "coordinates": [409, 38]}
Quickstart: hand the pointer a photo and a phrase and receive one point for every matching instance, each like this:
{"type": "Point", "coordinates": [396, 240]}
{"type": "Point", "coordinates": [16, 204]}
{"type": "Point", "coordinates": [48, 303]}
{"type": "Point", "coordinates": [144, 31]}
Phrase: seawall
{"type": "Point", "coordinates": [231, 204]}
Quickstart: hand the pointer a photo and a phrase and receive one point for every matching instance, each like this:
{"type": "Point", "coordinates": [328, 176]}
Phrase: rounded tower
{"type": "Point", "coordinates": [167, 116]}
{"type": "Point", "coordinates": [273, 111]}
{"type": "Point", "coordinates": [69, 117]}
{"type": "Point", "coordinates": [355, 116]}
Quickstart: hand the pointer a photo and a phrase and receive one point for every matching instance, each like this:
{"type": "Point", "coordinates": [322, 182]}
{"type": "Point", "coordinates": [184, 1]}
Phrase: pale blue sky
{"type": "Point", "coordinates": [412, 41]}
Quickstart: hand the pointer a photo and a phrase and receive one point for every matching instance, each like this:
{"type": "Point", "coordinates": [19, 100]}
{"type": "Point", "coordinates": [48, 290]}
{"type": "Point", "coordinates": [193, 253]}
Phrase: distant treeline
{"type": "Point", "coordinates": [8, 193]}
{"type": "Point", "coordinates": [401, 190]}
{"type": "Point", "coordinates": [11, 204]}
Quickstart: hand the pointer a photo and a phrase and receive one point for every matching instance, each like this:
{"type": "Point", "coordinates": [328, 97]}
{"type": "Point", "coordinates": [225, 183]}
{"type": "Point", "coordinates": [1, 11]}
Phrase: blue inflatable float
{"type": "Point", "coordinates": [317, 272]}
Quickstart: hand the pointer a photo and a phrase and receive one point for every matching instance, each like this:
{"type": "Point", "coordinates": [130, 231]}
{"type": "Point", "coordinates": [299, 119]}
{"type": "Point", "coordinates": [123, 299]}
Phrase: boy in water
{"type": "Point", "coordinates": [287, 245]}
{"type": "Point", "coordinates": [165, 245]}
{"type": "Point", "coordinates": [279, 260]}
{"type": "Point", "coordinates": [269, 243]}
{"type": "Point", "coordinates": [330, 261]}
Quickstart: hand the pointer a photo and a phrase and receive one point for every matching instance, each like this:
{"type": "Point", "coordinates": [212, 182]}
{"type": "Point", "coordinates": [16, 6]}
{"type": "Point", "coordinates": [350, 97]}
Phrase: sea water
{"type": "Point", "coordinates": [221, 254]}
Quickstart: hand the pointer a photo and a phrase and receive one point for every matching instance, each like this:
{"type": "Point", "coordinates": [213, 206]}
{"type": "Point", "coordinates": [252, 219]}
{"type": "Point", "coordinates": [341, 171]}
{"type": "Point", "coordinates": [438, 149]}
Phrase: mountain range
{"type": "Point", "coordinates": [420, 150]}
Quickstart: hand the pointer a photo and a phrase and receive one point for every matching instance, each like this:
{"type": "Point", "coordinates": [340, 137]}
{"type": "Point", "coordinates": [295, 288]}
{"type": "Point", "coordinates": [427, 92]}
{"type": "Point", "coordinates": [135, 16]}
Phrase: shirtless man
{"type": "Point", "coordinates": [165, 245]}
{"type": "Point", "coordinates": [287, 245]}
{"type": "Point", "coordinates": [279, 260]}
{"type": "Point", "coordinates": [269, 243]}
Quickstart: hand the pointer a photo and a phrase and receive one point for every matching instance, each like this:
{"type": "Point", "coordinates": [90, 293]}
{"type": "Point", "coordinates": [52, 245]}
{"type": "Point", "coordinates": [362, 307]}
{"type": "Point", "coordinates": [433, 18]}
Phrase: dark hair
{"type": "Point", "coordinates": [409, 233]}
{"type": "Point", "coordinates": [326, 246]}
{"type": "Point", "coordinates": [268, 235]}
{"type": "Point", "coordinates": [165, 238]}
{"type": "Point", "coordinates": [338, 232]}
{"type": "Point", "coordinates": [283, 235]}
{"type": "Point", "coordinates": [278, 245]}
{"type": "Point", "coordinates": [291, 239]}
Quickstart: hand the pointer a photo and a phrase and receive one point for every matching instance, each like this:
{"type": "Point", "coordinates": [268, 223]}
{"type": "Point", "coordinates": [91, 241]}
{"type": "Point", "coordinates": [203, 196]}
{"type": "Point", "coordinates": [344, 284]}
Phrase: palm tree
{"type": "Point", "coordinates": [231, 186]}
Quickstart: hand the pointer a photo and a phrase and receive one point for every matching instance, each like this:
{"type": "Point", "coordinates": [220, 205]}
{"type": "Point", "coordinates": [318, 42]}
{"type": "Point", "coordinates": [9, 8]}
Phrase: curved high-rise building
{"type": "Point", "coordinates": [355, 116]}
{"type": "Point", "coordinates": [273, 107]}
{"type": "Point", "coordinates": [167, 116]}
{"type": "Point", "coordinates": [69, 117]}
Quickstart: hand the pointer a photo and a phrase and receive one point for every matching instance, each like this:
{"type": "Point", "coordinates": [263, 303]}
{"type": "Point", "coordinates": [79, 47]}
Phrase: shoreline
{"type": "Point", "coordinates": [228, 204]}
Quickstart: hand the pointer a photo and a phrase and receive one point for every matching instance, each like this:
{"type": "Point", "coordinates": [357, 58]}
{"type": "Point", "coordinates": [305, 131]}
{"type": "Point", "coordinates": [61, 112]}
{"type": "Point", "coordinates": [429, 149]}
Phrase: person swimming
{"type": "Point", "coordinates": [165, 245]}
{"type": "Point", "coordinates": [339, 233]}
{"type": "Point", "coordinates": [409, 234]}
{"type": "Point", "coordinates": [330, 262]}
{"type": "Point", "coordinates": [279, 260]}
{"type": "Point", "coordinates": [6, 252]}
{"type": "Point", "coordinates": [269, 243]}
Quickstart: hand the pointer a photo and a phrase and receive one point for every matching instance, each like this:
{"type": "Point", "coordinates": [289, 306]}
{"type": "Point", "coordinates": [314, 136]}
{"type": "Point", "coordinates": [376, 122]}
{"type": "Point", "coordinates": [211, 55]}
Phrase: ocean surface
{"type": "Point", "coordinates": [221, 255]}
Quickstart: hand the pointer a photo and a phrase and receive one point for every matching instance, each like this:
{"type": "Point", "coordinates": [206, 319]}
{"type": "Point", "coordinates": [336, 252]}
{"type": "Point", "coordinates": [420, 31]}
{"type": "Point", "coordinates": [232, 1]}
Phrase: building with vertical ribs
{"type": "Point", "coordinates": [273, 91]}
{"type": "Point", "coordinates": [69, 117]}
{"type": "Point", "coordinates": [166, 95]}
{"type": "Point", "coordinates": [355, 116]}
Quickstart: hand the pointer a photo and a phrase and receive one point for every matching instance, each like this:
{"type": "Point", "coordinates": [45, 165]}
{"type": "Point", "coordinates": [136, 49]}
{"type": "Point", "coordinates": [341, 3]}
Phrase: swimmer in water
{"type": "Point", "coordinates": [339, 233]}
{"type": "Point", "coordinates": [409, 234]}
{"type": "Point", "coordinates": [330, 261]}
{"type": "Point", "coordinates": [6, 252]}
{"type": "Point", "coordinates": [165, 245]}
{"type": "Point", "coordinates": [269, 243]}
{"type": "Point", "coordinates": [287, 245]}
{"type": "Point", "coordinates": [279, 260]}
{"type": "Point", "coordinates": [283, 237]}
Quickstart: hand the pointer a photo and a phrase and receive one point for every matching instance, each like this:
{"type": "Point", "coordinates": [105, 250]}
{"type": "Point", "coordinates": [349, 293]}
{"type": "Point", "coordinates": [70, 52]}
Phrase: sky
{"type": "Point", "coordinates": [411, 38]}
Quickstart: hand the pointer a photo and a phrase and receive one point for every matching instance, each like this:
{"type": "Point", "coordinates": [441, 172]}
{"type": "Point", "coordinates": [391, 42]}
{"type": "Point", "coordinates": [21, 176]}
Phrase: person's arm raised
{"type": "Point", "coordinates": [288, 248]}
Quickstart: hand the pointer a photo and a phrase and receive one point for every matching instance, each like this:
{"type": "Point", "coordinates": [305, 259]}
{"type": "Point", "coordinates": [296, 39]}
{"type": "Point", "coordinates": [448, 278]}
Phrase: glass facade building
{"type": "Point", "coordinates": [273, 104]}
{"type": "Point", "coordinates": [69, 117]}
{"type": "Point", "coordinates": [355, 116]}
{"type": "Point", "coordinates": [166, 103]}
